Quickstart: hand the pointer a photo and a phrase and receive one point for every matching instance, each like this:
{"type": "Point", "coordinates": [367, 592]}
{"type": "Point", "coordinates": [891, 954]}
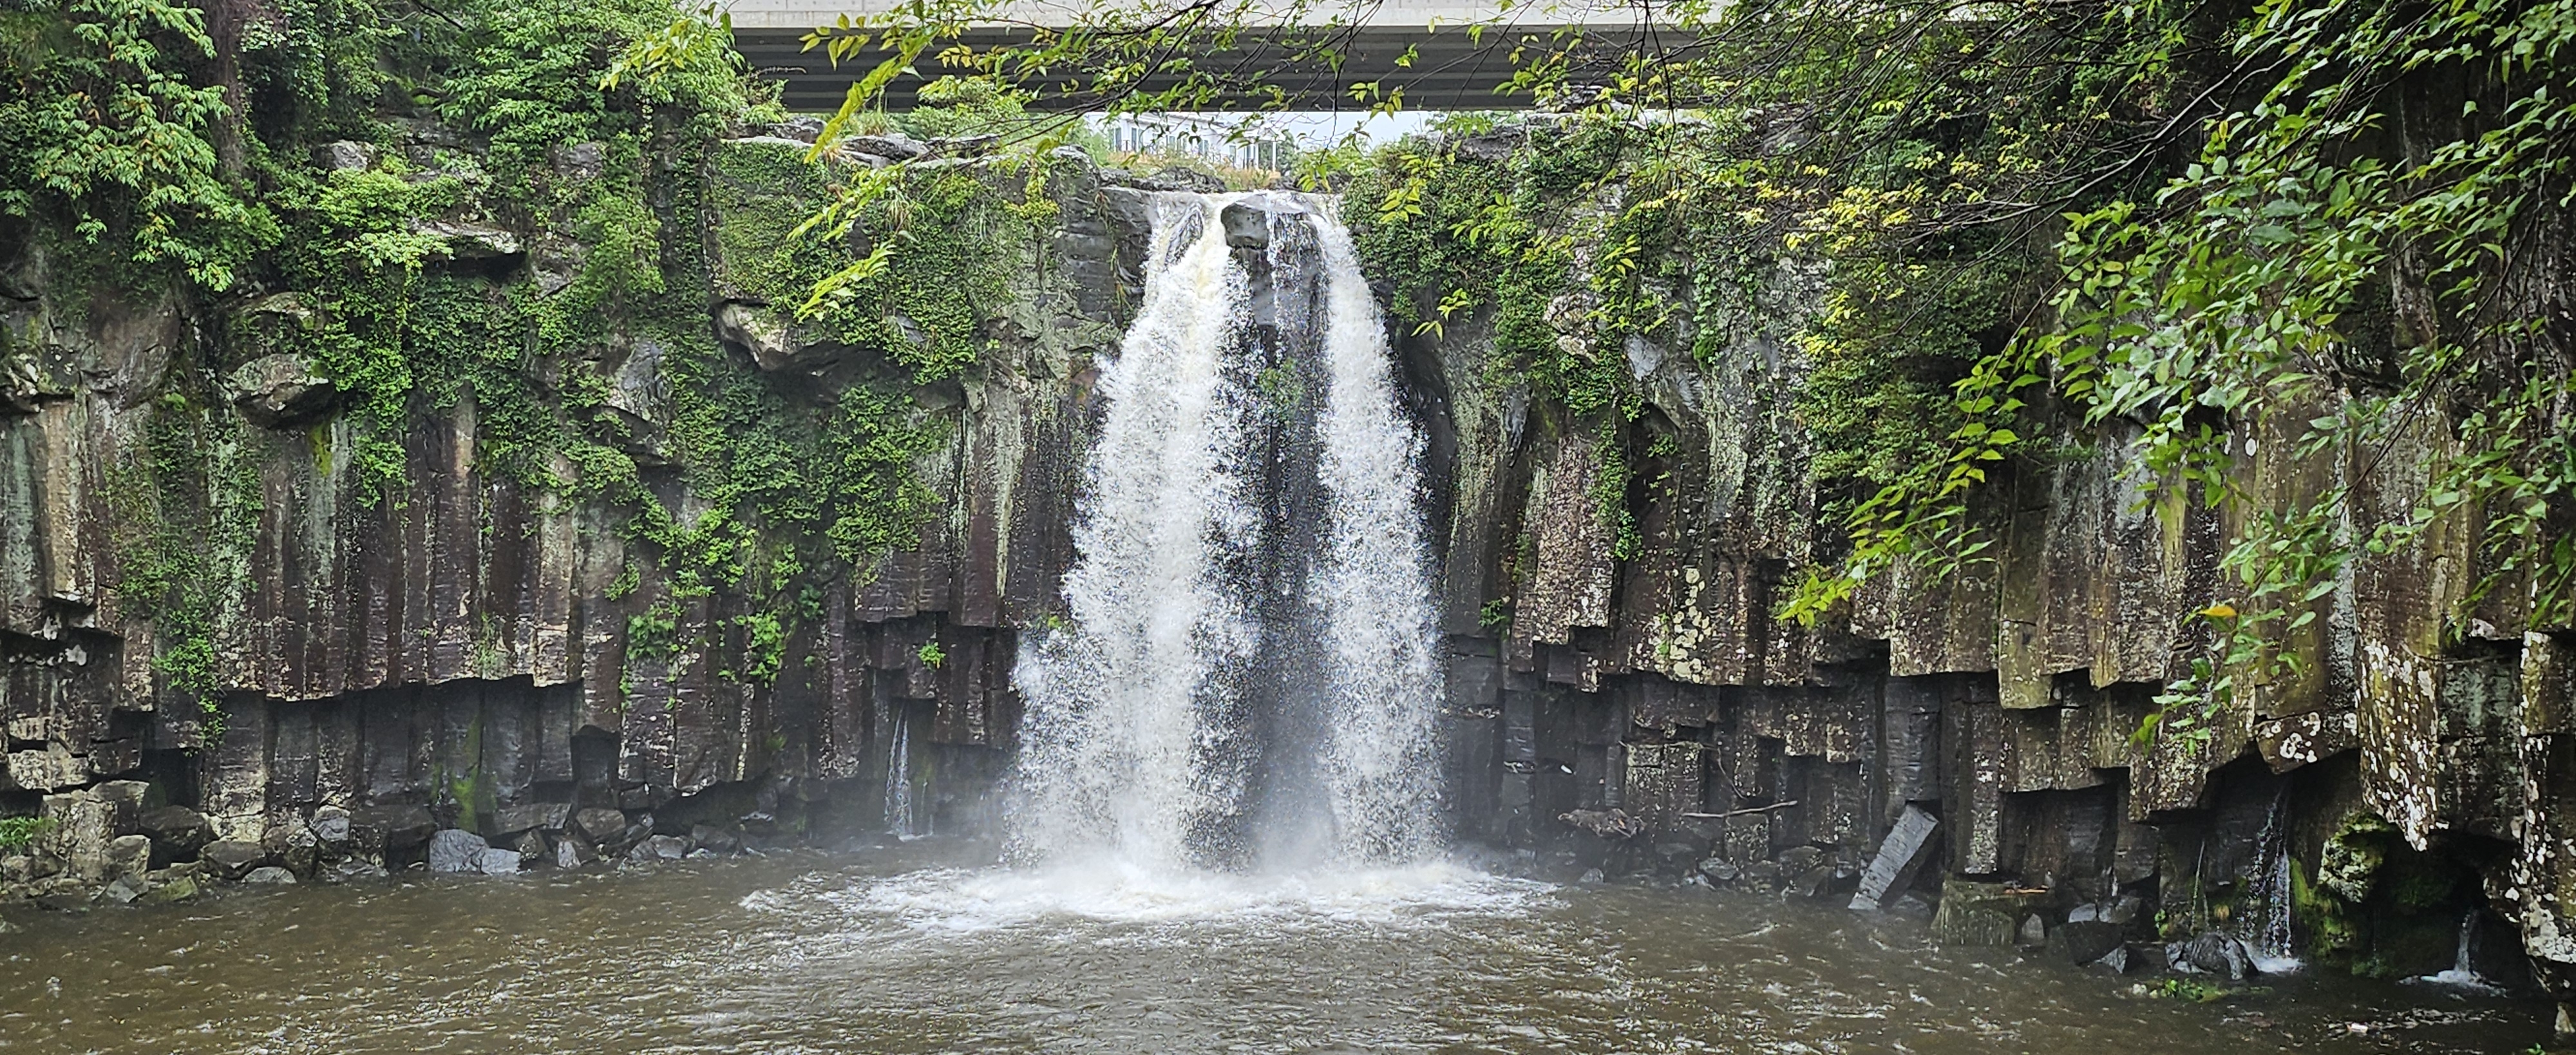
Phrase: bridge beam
{"type": "Point", "coordinates": [1451, 69]}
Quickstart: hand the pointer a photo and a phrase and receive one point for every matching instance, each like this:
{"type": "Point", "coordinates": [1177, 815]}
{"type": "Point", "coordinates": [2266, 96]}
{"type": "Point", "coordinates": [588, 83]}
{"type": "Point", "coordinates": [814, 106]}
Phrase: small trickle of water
{"type": "Point", "coordinates": [2462, 974]}
{"type": "Point", "coordinates": [900, 817]}
{"type": "Point", "coordinates": [2270, 947]}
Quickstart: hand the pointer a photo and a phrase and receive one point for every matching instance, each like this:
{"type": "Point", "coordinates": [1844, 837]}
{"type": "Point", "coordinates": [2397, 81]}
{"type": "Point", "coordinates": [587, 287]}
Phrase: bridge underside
{"type": "Point", "coordinates": [1450, 70]}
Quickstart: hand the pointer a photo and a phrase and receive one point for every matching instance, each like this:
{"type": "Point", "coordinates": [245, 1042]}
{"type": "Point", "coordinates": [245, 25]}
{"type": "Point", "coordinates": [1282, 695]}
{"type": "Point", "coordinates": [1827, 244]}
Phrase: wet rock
{"type": "Point", "coordinates": [291, 843]}
{"type": "Point", "coordinates": [123, 891]}
{"type": "Point", "coordinates": [600, 825]}
{"type": "Point", "coordinates": [529, 815]}
{"type": "Point", "coordinates": [572, 851]}
{"type": "Point", "coordinates": [530, 846]}
{"type": "Point", "coordinates": [1720, 870]}
{"type": "Point", "coordinates": [2033, 933]}
{"type": "Point", "coordinates": [353, 870]}
{"type": "Point", "coordinates": [2114, 962]}
{"type": "Point", "coordinates": [496, 862]}
{"type": "Point", "coordinates": [391, 827]}
{"type": "Point", "coordinates": [172, 890]}
{"type": "Point", "coordinates": [179, 831]}
{"type": "Point", "coordinates": [455, 850]}
{"type": "Point", "coordinates": [232, 858]}
{"type": "Point", "coordinates": [1800, 859]}
{"type": "Point", "coordinates": [712, 838]}
{"type": "Point", "coordinates": [331, 827]}
{"type": "Point", "coordinates": [64, 901]}
{"type": "Point", "coordinates": [282, 391]}
{"type": "Point", "coordinates": [659, 848]}
{"type": "Point", "coordinates": [2210, 953]}
{"type": "Point", "coordinates": [2084, 941]}
{"type": "Point", "coordinates": [129, 855]}
{"type": "Point", "coordinates": [1247, 222]}
{"type": "Point", "coordinates": [1899, 857]}
{"type": "Point", "coordinates": [269, 875]}
{"type": "Point", "coordinates": [1975, 914]}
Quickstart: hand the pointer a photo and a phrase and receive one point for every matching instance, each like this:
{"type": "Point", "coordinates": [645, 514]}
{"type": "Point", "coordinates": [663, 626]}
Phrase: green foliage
{"type": "Point", "coordinates": [107, 136]}
{"type": "Point", "coordinates": [931, 655]}
{"type": "Point", "coordinates": [530, 73]}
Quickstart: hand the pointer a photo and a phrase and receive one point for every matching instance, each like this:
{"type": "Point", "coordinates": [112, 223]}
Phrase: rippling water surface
{"type": "Point", "coordinates": [919, 949]}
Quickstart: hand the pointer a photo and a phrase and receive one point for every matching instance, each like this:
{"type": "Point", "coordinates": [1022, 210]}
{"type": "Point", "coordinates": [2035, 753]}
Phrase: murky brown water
{"type": "Point", "coordinates": [906, 951]}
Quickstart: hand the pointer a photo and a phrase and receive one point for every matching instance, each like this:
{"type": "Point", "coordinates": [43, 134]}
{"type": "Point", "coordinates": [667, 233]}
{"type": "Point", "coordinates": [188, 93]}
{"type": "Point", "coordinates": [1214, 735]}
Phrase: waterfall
{"type": "Point", "coordinates": [900, 816]}
{"type": "Point", "coordinates": [2463, 973]}
{"type": "Point", "coordinates": [2270, 946]}
{"type": "Point", "coordinates": [1245, 674]}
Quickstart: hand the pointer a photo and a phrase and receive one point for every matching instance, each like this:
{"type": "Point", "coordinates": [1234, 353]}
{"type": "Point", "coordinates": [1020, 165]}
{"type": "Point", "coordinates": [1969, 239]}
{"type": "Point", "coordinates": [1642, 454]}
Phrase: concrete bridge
{"type": "Point", "coordinates": [1452, 69]}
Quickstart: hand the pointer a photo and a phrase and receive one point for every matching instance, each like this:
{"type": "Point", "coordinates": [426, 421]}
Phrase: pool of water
{"type": "Point", "coordinates": [923, 948]}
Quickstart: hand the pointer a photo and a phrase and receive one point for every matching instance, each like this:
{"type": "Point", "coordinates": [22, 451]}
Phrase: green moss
{"type": "Point", "coordinates": [187, 502]}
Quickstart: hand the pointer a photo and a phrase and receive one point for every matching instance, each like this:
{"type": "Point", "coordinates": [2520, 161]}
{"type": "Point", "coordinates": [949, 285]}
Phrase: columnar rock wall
{"type": "Point", "coordinates": [479, 652]}
{"type": "Point", "coordinates": [1654, 712]}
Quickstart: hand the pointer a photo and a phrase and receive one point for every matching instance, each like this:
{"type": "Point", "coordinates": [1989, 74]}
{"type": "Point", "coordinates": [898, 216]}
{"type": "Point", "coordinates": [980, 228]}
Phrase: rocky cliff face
{"type": "Point", "coordinates": [500, 653]}
{"type": "Point", "coordinates": [227, 648]}
{"type": "Point", "coordinates": [1627, 691]}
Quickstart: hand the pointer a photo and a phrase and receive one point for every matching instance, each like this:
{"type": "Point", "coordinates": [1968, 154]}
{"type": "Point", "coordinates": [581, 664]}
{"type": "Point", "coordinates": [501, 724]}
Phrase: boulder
{"type": "Point", "coordinates": [347, 155]}
{"type": "Point", "coordinates": [270, 875]}
{"type": "Point", "coordinates": [601, 825]}
{"type": "Point", "coordinates": [528, 816]}
{"type": "Point", "coordinates": [179, 831]}
{"type": "Point", "coordinates": [456, 850]}
{"type": "Point", "coordinates": [123, 891]}
{"type": "Point", "coordinates": [174, 889]}
{"type": "Point", "coordinates": [282, 391]}
{"type": "Point", "coordinates": [291, 843]}
{"type": "Point", "coordinates": [497, 862]}
{"type": "Point", "coordinates": [129, 855]}
{"type": "Point", "coordinates": [712, 838]}
{"type": "Point", "coordinates": [1720, 870]}
{"type": "Point", "coordinates": [2211, 953]}
{"type": "Point", "coordinates": [1248, 222]}
{"type": "Point", "coordinates": [232, 858]}
{"type": "Point", "coordinates": [392, 827]}
{"type": "Point", "coordinates": [2085, 941]}
{"type": "Point", "coordinates": [659, 848]}
{"type": "Point", "coordinates": [331, 828]}
{"type": "Point", "coordinates": [1975, 914]}
{"type": "Point", "coordinates": [571, 851]}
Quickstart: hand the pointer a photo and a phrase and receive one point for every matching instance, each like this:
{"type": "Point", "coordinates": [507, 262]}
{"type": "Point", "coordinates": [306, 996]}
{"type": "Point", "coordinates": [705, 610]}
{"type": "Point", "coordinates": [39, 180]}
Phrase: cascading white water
{"type": "Point", "coordinates": [1372, 591]}
{"type": "Point", "coordinates": [1136, 743]}
{"type": "Point", "coordinates": [1113, 750]}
